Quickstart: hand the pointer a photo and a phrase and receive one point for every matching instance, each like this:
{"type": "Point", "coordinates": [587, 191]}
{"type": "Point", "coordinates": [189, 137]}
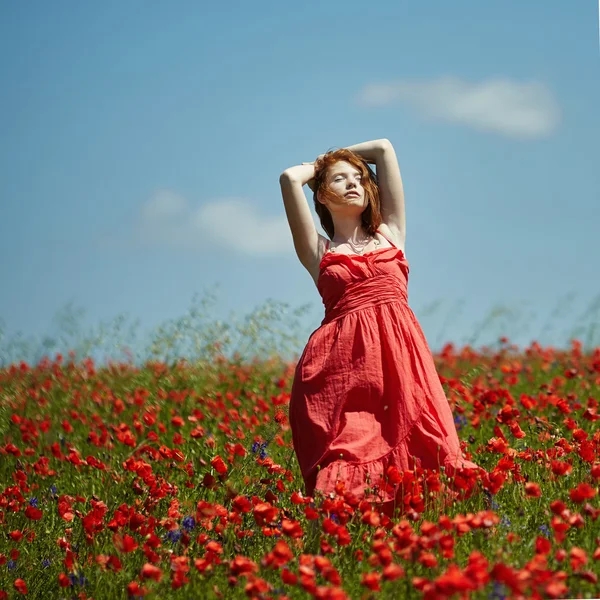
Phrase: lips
{"type": "Point", "coordinates": [356, 194]}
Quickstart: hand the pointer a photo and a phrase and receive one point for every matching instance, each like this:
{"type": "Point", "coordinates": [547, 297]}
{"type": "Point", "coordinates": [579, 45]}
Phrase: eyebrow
{"type": "Point", "coordinates": [344, 172]}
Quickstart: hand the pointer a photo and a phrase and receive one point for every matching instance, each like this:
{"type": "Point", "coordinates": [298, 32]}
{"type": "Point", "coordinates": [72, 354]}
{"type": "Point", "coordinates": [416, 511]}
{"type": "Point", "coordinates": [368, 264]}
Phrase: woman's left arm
{"type": "Point", "coordinates": [370, 151]}
{"type": "Point", "coordinates": [391, 190]}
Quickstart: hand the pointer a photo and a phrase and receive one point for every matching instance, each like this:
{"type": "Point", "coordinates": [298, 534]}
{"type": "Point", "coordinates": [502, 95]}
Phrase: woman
{"type": "Point", "coordinates": [366, 395]}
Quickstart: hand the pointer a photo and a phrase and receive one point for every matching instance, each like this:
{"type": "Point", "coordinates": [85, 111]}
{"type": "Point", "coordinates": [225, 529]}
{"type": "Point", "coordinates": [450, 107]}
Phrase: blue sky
{"type": "Point", "coordinates": [142, 143]}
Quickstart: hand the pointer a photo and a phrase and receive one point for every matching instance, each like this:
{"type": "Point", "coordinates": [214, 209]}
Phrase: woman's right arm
{"type": "Point", "coordinates": [301, 173]}
{"type": "Point", "coordinates": [297, 210]}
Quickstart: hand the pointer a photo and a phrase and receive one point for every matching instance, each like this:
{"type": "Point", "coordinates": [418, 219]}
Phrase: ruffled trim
{"type": "Point", "coordinates": [418, 449]}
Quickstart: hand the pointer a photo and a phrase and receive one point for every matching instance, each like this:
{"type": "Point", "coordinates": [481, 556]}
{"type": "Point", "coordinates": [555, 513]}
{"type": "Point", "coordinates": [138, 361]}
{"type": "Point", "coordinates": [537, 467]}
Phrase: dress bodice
{"type": "Point", "coordinates": [348, 282]}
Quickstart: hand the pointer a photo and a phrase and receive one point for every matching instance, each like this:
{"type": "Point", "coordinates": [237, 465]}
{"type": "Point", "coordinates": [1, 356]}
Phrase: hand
{"type": "Point", "coordinates": [311, 182]}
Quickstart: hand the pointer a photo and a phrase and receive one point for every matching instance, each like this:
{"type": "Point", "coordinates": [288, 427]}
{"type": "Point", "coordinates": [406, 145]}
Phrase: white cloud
{"type": "Point", "coordinates": [498, 105]}
{"type": "Point", "coordinates": [233, 223]}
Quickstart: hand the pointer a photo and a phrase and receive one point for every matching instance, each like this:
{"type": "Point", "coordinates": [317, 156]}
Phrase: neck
{"type": "Point", "coordinates": [348, 229]}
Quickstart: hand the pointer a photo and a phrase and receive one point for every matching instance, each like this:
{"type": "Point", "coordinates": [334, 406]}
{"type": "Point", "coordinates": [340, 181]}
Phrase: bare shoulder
{"type": "Point", "coordinates": [393, 234]}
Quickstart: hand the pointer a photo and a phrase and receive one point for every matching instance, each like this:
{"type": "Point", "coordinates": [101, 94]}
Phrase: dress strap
{"type": "Point", "coordinates": [392, 243]}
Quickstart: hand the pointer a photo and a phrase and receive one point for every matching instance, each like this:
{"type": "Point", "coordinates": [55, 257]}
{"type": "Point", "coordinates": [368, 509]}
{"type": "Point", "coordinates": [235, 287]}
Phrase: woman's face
{"type": "Point", "coordinates": [345, 181]}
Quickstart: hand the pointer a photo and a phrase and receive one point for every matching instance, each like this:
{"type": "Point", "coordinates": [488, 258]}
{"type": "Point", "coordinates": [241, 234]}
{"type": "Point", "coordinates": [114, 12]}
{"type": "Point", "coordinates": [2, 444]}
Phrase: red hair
{"type": "Point", "coordinates": [371, 216]}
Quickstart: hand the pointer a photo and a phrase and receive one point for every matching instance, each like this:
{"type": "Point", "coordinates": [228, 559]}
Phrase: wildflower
{"type": "Point", "coordinates": [20, 586]}
{"type": "Point", "coordinates": [545, 530]}
{"type": "Point", "coordinates": [460, 421]}
{"type": "Point", "coordinates": [255, 447]}
{"type": "Point", "coordinates": [263, 454]}
{"type": "Point", "coordinates": [188, 523]}
{"type": "Point", "coordinates": [33, 502]}
{"type": "Point", "coordinates": [11, 564]}
{"type": "Point", "coordinates": [174, 535]}
{"type": "Point", "coordinates": [532, 490]}
{"type": "Point", "coordinates": [149, 571]}
{"type": "Point", "coordinates": [498, 592]}
{"type": "Point", "coordinates": [505, 521]}
{"type": "Point", "coordinates": [46, 563]}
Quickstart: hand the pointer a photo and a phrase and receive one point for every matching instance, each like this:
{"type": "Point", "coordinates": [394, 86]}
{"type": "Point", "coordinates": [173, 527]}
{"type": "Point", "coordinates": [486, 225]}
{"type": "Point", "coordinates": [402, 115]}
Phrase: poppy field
{"type": "Point", "coordinates": [178, 480]}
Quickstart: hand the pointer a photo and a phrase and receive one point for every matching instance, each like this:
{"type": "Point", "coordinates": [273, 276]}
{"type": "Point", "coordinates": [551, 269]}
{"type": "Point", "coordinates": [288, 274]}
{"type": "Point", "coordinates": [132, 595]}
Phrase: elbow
{"type": "Point", "coordinates": [286, 177]}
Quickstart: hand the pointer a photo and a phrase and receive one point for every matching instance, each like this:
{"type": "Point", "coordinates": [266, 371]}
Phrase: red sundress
{"type": "Point", "coordinates": [366, 394]}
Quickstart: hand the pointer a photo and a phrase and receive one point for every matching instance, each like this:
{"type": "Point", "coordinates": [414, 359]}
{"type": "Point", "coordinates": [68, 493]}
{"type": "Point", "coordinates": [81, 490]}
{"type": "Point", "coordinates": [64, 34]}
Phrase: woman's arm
{"type": "Point", "coordinates": [370, 151]}
{"type": "Point", "coordinates": [301, 174]}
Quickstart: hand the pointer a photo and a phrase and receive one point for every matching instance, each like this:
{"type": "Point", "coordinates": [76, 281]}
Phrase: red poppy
{"type": "Point", "coordinates": [454, 581]}
{"type": "Point", "coordinates": [371, 580]}
{"type": "Point", "coordinates": [542, 545]}
{"type": "Point", "coordinates": [124, 543]}
{"type": "Point", "coordinates": [150, 571]}
{"type": "Point", "coordinates": [265, 513]}
{"type": "Point", "coordinates": [584, 491]}
{"type": "Point", "coordinates": [219, 465]}
{"type": "Point", "coordinates": [242, 565]}
{"type": "Point", "coordinates": [532, 490]}
{"type": "Point", "coordinates": [291, 528]}
{"type": "Point", "coordinates": [35, 514]}
{"type": "Point", "coordinates": [392, 572]}
{"type": "Point", "coordinates": [288, 577]}
{"type": "Point", "coordinates": [578, 558]}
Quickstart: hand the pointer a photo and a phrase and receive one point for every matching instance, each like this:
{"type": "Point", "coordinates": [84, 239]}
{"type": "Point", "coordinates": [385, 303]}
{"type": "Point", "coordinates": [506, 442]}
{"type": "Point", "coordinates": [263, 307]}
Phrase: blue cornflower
{"type": "Point", "coordinates": [255, 446]}
{"type": "Point", "coordinates": [188, 523]}
{"type": "Point", "coordinates": [83, 581]}
{"type": "Point", "coordinates": [495, 505]}
{"type": "Point", "coordinates": [53, 490]}
{"type": "Point", "coordinates": [460, 421]}
{"type": "Point", "coordinates": [46, 563]}
{"type": "Point", "coordinates": [505, 521]}
{"type": "Point", "coordinates": [174, 535]}
{"type": "Point", "coordinates": [33, 502]}
{"type": "Point", "coordinates": [335, 518]}
{"type": "Point", "coordinates": [263, 454]}
{"type": "Point", "coordinates": [11, 564]}
{"type": "Point", "coordinates": [264, 445]}
{"type": "Point", "coordinates": [498, 592]}
{"type": "Point", "coordinates": [545, 530]}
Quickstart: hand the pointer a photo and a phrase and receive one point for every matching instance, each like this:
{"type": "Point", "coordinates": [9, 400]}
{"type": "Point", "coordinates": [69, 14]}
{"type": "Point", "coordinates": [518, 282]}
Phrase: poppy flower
{"type": "Point", "coordinates": [20, 586]}
{"type": "Point", "coordinates": [532, 490]}
{"type": "Point", "coordinates": [371, 580]}
{"type": "Point", "coordinates": [584, 491]}
{"type": "Point", "coordinates": [219, 465]}
{"type": "Point", "coordinates": [150, 571]}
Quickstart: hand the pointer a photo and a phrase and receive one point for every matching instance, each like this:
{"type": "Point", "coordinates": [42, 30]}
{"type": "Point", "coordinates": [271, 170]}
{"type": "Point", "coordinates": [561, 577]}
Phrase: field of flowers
{"type": "Point", "coordinates": [178, 480]}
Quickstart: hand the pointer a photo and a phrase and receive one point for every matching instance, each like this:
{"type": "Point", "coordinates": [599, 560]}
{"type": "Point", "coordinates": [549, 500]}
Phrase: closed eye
{"type": "Point", "coordinates": [358, 175]}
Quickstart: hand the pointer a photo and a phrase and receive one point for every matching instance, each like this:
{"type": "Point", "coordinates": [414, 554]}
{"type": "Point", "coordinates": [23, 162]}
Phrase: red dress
{"type": "Point", "coordinates": [366, 394]}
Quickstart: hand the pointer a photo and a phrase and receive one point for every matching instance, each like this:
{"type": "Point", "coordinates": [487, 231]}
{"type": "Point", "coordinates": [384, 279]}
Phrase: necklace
{"type": "Point", "coordinates": [359, 248]}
